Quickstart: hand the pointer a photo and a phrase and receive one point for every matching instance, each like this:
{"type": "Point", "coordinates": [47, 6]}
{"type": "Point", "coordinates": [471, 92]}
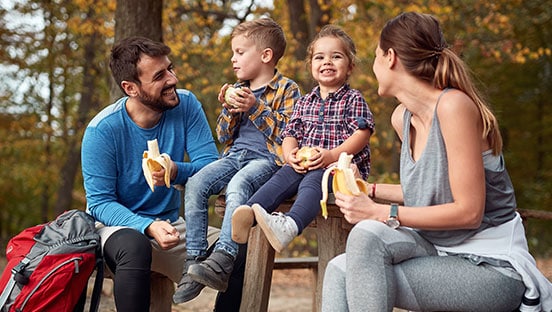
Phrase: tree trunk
{"type": "Point", "coordinates": [298, 22]}
{"type": "Point", "coordinates": [88, 102]}
{"type": "Point", "coordinates": [137, 18]}
{"type": "Point", "coordinates": [319, 16]}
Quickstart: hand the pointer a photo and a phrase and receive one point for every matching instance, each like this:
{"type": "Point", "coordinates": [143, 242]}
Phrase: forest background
{"type": "Point", "coordinates": [54, 77]}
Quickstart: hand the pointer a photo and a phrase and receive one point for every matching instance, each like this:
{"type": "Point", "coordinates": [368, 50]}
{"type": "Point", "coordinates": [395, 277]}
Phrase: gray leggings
{"type": "Point", "coordinates": [385, 268]}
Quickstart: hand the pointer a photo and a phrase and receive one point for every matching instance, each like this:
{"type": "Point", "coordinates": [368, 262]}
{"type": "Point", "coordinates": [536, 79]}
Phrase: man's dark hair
{"type": "Point", "coordinates": [127, 52]}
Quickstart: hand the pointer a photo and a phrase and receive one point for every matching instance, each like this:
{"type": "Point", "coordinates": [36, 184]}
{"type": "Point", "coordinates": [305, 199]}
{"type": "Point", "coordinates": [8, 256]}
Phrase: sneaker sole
{"type": "Point", "coordinates": [242, 221]}
{"type": "Point", "coordinates": [181, 299]}
{"type": "Point", "coordinates": [266, 229]}
{"type": "Point", "coordinates": [195, 272]}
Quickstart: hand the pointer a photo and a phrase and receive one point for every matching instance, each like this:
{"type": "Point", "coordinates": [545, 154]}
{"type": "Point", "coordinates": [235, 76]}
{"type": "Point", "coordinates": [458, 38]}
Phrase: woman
{"type": "Point", "coordinates": [460, 245]}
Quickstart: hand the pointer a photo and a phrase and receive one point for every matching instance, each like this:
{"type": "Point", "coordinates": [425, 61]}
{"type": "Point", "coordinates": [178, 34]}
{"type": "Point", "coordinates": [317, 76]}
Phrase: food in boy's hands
{"type": "Point", "coordinates": [344, 181]}
{"type": "Point", "coordinates": [230, 91]}
{"type": "Point", "coordinates": [304, 153]}
{"type": "Point", "coordinates": [152, 161]}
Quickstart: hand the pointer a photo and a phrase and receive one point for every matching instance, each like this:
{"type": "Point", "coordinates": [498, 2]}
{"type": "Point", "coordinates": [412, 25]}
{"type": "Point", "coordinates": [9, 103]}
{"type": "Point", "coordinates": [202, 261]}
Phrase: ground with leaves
{"type": "Point", "coordinates": [291, 291]}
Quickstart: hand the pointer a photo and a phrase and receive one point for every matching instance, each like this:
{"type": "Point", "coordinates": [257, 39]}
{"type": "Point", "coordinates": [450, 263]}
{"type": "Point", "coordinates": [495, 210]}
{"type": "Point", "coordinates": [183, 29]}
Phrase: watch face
{"type": "Point", "coordinates": [393, 223]}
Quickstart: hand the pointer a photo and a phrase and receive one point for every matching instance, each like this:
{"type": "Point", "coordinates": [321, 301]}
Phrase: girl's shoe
{"type": "Point", "coordinates": [278, 228]}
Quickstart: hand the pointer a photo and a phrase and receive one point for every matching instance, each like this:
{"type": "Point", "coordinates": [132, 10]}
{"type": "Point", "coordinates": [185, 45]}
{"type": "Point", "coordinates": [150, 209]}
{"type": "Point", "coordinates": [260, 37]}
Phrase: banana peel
{"type": "Point", "coordinates": [153, 161]}
{"type": "Point", "coordinates": [344, 181]}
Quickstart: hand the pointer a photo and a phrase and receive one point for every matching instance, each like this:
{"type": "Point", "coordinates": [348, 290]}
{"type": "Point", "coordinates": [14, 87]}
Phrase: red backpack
{"type": "Point", "coordinates": [49, 266]}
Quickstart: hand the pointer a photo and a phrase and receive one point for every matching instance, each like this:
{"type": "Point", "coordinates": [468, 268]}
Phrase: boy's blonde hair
{"type": "Point", "coordinates": [265, 33]}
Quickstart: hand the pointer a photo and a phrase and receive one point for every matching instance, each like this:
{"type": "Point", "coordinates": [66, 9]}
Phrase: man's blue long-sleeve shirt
{"type": "Point", "coordinates": [116, 191]}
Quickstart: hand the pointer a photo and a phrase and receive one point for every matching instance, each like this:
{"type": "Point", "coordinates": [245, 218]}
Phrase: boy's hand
{"type": "Point", "coordinates": [222, 96]}
{"type": "Point", "coordinates": [240, 102]}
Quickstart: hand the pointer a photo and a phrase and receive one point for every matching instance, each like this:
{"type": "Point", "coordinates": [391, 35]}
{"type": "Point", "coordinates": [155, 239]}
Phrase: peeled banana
{"type": "Point", "coordinates": [153, 161]}
{"type": "Point", "coordinates": [344, 181]}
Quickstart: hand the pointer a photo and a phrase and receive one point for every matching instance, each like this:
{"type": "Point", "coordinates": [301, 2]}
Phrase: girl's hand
{"type": "Point", "coordinates": [295, 162]}
{"type": "Point", "coordinates": [320, 160]}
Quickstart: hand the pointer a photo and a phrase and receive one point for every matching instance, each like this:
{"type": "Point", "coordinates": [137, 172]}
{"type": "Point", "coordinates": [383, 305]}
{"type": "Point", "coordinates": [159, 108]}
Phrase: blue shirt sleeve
{"type": "Point", "coordinates": [117, 193]}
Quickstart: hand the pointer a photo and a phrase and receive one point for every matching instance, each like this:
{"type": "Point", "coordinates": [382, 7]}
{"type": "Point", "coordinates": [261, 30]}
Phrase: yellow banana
{"type": "Point", "coordinates": [344, 181]}
{"type": "Point", "coordinates": [153, 161]}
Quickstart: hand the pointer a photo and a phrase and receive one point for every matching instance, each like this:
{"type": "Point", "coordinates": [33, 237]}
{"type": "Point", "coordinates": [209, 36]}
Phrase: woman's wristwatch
{"type": "Point", "coordinates": [393, 220]}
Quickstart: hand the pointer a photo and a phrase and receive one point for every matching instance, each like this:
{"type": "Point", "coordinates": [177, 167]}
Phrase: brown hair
{"type": "Point", "coordinates": [126, 54]}
{"type": "Point", "coordinates": [265, 33]}
{"type": "Point", "coordinates": [333, 31]}
{"type": "Point", "coordinates": [418, 42]}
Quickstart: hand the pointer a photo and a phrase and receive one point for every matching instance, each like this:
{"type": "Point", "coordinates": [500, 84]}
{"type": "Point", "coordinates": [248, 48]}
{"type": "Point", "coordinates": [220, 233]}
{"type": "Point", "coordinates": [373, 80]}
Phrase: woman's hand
{"type": "Point", "coordinates": [357, 208]}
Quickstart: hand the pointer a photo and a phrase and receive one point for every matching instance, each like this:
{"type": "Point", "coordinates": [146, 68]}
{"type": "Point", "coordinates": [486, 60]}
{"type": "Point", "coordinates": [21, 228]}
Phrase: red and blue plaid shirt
{"type": "Point", "coordinates": [327, 123]}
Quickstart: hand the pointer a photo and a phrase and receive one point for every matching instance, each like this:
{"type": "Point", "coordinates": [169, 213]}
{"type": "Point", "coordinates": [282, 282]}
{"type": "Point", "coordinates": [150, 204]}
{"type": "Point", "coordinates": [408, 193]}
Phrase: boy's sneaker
{"type": "Point", "coordinates": [242, 221]}
{"type": "Point", "coordinates": [187, 288]}
{"type": "Point", "coordinates": [214, 271]}
{"type": "Point", "coordinates": [279, 229]}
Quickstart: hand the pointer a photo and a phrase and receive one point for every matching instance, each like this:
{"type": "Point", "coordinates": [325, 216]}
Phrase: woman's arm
{"type": "Point", "coordinates": [461, 129]}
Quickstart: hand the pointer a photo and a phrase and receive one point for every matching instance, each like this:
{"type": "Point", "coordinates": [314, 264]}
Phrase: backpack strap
{"type": "Point", "coordinates": [16, 274]}
{"type": "Point", "coordinates": [7, 291]}
{"type": "Point", "coordinates": [98, 283]}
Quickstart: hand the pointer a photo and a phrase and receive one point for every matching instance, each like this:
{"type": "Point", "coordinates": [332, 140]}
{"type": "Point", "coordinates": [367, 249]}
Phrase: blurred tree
{"type": "Point", "coordinates": [55, 77]}
{"type": "Point", "coordinates": [137, 18]}
{"type": "Point", "coordinates": [88, 102]}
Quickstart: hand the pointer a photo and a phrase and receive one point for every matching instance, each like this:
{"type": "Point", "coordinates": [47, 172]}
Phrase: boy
{"type": "Point", "coordinates": [249, 125]}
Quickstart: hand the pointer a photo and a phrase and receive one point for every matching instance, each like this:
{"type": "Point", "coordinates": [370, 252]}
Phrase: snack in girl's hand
{"type": "Point", "coordinates": [305, 153]}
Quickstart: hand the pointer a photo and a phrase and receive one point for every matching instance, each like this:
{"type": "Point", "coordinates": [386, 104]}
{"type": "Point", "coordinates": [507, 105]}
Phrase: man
{"type": "Point", "coordinates": [140, 227]}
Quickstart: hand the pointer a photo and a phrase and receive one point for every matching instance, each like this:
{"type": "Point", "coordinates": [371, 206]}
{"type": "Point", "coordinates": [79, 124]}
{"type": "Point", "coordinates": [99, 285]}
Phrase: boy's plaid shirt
{"type": "Point", "coordinates": [270, 115]}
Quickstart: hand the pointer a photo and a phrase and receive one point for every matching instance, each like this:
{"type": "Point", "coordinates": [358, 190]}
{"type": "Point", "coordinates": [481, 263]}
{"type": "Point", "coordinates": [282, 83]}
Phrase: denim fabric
{"type": "Point", "coordinates": [242, 174]}
{"type": "Point", "coordinates": [285, 184]}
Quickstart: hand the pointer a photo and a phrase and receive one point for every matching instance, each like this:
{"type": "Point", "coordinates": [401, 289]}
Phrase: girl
{"type": "Point", "coordinates": [332, 118]}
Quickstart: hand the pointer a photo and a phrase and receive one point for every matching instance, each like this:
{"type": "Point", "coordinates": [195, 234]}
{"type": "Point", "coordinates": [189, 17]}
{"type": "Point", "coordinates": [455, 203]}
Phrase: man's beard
{"type": "Point", "coordinates": [158, 104]}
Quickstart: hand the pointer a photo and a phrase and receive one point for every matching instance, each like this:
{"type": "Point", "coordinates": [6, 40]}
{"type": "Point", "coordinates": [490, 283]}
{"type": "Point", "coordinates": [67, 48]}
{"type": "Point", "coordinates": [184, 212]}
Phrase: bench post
{"type": "Point", "coordinates": [332, 239]}
{"type": "Point", "coordinates": [162, 289]}
{"type": "Point", "coordinates": [258, 272]}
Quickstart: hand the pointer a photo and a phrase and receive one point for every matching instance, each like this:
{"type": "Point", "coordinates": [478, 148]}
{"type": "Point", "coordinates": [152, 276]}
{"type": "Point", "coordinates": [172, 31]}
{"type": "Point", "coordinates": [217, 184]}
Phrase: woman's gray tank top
{"type": "Point", "coordinates": [426, 182]}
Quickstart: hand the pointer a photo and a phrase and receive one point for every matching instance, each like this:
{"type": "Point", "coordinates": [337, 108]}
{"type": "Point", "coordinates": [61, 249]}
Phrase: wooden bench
{"type": "Point", "coordinates": [535, 214]}
{"type": "Point", "coordinates": [331, 236]}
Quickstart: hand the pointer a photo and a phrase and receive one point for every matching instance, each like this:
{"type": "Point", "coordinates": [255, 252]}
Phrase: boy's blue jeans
{"type": "Point", "coordinates": [242, 174]}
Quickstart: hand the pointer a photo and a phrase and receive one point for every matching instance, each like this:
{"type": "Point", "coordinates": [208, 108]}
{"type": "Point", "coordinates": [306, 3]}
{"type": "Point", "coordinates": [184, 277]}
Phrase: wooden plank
{"type": "Point", "coordinates": [332, 239]}
{"type": "Point", "coordinates": [258, 272]}
{"type": "Point", "coordinates": [296, 263]}
{"type": "Point", "coordinates": [162, 289]}
{"type": "Point", "coordinates": [535, 214]}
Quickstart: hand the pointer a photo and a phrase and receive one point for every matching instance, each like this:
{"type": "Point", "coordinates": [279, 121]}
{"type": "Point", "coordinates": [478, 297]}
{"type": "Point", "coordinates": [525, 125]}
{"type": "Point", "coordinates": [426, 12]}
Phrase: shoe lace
{"type": "Point", "coordinates": [280, 218]}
